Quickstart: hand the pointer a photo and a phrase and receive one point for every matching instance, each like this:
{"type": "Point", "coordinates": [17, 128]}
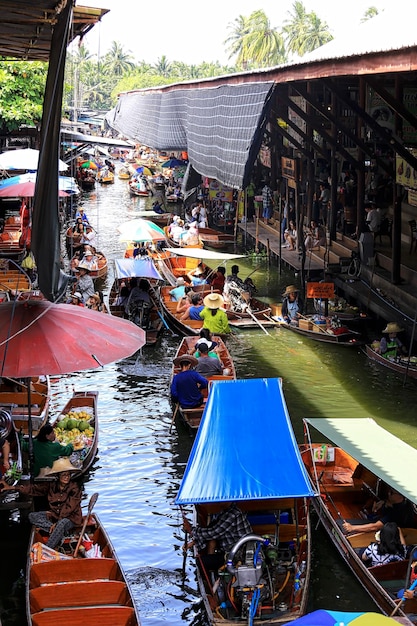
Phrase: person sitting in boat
{"type": "Point", "coordinates": [205, 337]}
{"type": "Point", "coordinates": [234, 279]}
{"type": "Point", "coordinates": [186, 386]}
{"type": "Point", "coordinates": [46, 449]}
{"type": "Point", "coordinates": [391, 347]}
{"type": "Point", "coordinates": [207, 365]}
{"type": "Point", "coordinates": [292, 305]}
{"type": "Point", "coordinates": [81, 214]}
{"type": "Point", "coordinates": [76, 299]}
{"type": "Point", "coordinates": [89, 260]}
{"type": "Point", "coordinates": [218, 279]}
{"type": "Point", "coordinates": [396, 508]}
{"type": "Point", "coordinates": [64, 500]}
{"type": "Point", "coordinates": [78, 233]}
{"type": "Point", "coordinates": [157, 207]}
{"type": "Point", "coordinates": [90, 236]}
{"type": "Point", "coordinates": [139, 302]}
{"type": "Point", "coordinates": [179, 290]}
{"type": "Point", "coordinates": [315, 236]}
{"type": "Point", "coordinates": [220, 536]}
{"type": "Point", "coordinates": [191, 237]}
{"type": "Point", "coordinates": [84, 284]}
{"type": "Point", "coordinates": [185, 302]}
{"type": "Point", "coordinates": [177, 230]}
{"type": "Point", "coordinates": [123, 297]}
{"type": "Point", "coordinates": [198, 276]}
{"type": "Point", "coordinates": [389, 546]}
{"type": "Point", "coordinates": [193, 311]}
{"type": "Point", "coordinates": [213, 316]}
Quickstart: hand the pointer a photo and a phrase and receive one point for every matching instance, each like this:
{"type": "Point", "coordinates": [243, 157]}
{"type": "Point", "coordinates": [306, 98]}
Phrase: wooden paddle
{"type": "Point", "coordinates": [177, 406]}
{"type": "Point", "coordinates": [91, 504]}
{"type": "Point", "coordinates": [403, 599]}
{"type": "Point", "coordinates": [256, 320]}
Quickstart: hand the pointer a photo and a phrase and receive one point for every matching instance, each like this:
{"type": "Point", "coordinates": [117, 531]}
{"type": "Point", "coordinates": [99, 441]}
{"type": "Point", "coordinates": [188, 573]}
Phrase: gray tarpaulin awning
{"type": "Point", "coordinates": [220, 127]}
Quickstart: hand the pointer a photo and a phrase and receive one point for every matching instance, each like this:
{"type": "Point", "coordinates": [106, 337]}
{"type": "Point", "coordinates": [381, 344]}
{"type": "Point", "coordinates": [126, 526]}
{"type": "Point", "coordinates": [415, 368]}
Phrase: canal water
{"type": "Point", "coordinates": [141, 458]}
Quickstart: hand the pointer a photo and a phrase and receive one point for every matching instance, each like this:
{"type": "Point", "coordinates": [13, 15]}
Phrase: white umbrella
{"type": "Point", "coordinates": [26, 159]}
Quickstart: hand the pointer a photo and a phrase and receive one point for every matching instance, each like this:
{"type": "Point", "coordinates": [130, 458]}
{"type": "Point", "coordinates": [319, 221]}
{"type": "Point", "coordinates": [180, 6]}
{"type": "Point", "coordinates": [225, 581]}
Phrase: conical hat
{"type": "Point", "coordinates": [392, 327]}
{"type": "Point", "coordinates": [63, 464]}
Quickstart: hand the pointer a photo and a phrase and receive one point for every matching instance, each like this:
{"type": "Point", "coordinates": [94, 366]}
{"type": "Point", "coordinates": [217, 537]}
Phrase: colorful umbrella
{"type": "Point", "coordinates": [144, 170]}
{"type": "Point", "coordinates": [89, 165]}
{"type": "Point", "coordinates": [26, 159]}
{"type": "Point", "coordinates": [173, 163]}
{"type": "Point", "coordinates": [339, 618]}
{"type": "Point", "coordinates": [24, 186]}
{"type": "Point", "coordinates": [37, 337]}
{"type": "Point", "coordinates": [140, 230]}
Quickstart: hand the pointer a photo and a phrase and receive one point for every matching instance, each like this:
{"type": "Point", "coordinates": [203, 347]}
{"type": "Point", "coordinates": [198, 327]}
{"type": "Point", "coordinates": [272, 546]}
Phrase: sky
{"type": "Point", "coordinates": [192, 31]}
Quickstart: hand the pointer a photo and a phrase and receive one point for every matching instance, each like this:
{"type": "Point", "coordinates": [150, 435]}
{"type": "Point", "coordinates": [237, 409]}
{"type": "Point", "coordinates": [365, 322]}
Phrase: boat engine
{"type": "Point", "coordinates": [260, 571]}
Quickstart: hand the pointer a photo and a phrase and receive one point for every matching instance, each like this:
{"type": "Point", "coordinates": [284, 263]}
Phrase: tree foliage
{"type": "Point", "coordinates": [21, 93]}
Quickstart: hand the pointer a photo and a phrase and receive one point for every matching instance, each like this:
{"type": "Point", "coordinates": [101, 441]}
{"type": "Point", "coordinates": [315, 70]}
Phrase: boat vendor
{"type": "Point", "coordinates": [84, 284]}
{"type": "Point", "coordinates": [292, 304]}
{"type": "Point", "coordinates": [187, 384]}
{"type": "Point", "coordinates": [46, 449]}
{"type": "Point", "coordinates": [64, 500]}
{"type": "Point", "coordinates": [222, 534]}
{"type": "Point", "coordinates": [391, 347]}
{"type": "Point", "coordinates": [214, 317]}
{"type": "Point", "coordinates": [396, 508]}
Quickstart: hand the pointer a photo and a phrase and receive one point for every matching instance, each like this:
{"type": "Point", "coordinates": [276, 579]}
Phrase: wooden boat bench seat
{"type": "Point", "coordinates": [119, 616]}
{"type": "Point", "coordinates": [18, 402]}
{"type": "Point", "coordinates": [64, 571]}
{"type": "Point", "coordinates": [362, 540]}
{"type": "Point", "coordinates": [85, 593]}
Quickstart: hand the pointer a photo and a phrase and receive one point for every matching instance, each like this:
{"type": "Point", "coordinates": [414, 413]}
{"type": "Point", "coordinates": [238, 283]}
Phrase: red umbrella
{"type": "Point", "coordinates": [38, 337]}
{"type": "Point", "coordinates": [24, 190]}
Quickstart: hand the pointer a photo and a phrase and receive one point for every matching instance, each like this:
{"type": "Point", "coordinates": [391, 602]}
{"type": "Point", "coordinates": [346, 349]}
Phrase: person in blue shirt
{"type": "Point", "coordinates": [179, 291]}
{"type": "Point", "coordinates": [186, 386]}
{"type": "Point", "coordinates": [193, 311]}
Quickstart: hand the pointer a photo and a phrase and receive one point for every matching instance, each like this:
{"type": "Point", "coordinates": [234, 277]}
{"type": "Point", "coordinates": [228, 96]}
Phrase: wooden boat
{"type": "Point", "coordinates": [183, 327]}
{"type": "Point", "coordinates": [87, 183]}
{"type": "Point", "coordinates": [192, 417]}
{"type": "Point", "coordinates": [73, 240]}
{"type": "Point", "coordinates": [175, 244]}
{"type": "Point", "coordinates": [124, 173]}
{"type": "Point", "coordinates": [101, 270]}
{"type": "Point", "coordinates": [344, 474]}
{"type": "Point", "coordinates": [11, 240]}
{"type": "Point", "coordinates": [135, 191]}
{"type": "Point", "coordinates": [16, 402]}
{"type": "Point", "coordinates": [401, 366]}
{"type": "Point", "coordinates": [251, 314]}
{"type": "Point", "coordinates": [215, 238]}
{"type": "Point", "coordinates": [61, 589]}
{"type": "Point", "coordinates": [13, 279]}
{"type": "Point", "coordinates": [82, 406]}
{"type": "Point", "coordinates": [264, 581]}
{"type": "Point", "coordinates": [173, 198]}
{"type": "Point", "coordinates": [105, 177]}
{"type": "Point", "coordinates": [142, 267]}
{"type": "Point", "coordinates": [321, 329]}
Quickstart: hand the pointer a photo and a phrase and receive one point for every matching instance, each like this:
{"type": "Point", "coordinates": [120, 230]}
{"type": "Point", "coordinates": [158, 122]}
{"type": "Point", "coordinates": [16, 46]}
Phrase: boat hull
{"type": "Point", "coordinates": [317, 333]}
{"type": "Point", "coordinates": [400, 367]}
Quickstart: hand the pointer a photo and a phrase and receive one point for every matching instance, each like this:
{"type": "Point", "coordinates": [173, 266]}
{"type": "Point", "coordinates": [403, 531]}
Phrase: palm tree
{"type": "Point", "coordinates": [296, 28]}
{"type": "Point", "coordinates": [235, 43]}
{"type": "Point", "coordinates": [263, 45]}
{"type": "Point", "coordinates": [162, 67]}
{"type": "Point", "coordinates": [317, 34]}
{"type": "Point", "coordinates": [117, 61]}
{"type": "Point", "coordinates": [369, 14]}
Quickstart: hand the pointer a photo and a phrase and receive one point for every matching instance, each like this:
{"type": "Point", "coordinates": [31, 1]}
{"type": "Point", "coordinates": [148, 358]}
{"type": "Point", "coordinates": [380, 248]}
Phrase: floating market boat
{"type": "Point", "coordinates": [192, 417]}
{"type": "Point", "coordinates": [79, 414]}
{"type": "Point", "coordinates": [215, 238]}
{"type": "Point", "coordinates": [403, 365]}
{"type": "Point", "coordinates": [176, 244]}
{"type": "Point", "coordinates": [360, 464]}
{"type": "Point", "coordinates": [61, 589]}
{"type": "Point", "coordinates": [15, 397]}
{"type": "Point", "coordinates": [149, 319]}
{"type": "Point", "coordinates": [105, 177]}
{"type": "Point", "coordinates": [323, 329]}
{"type": "Point", "coordinates": [265, 578]}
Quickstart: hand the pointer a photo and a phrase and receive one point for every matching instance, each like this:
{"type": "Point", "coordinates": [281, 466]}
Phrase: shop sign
{"type": "Point", "coordinates": [320, 291]}
{"type": "Point", "coordinates": [405, 175]}
{"type": "Point", "coordinates": [289, 168]}
{"type": "Point", "coordinates": [412, 197]}
{"type": "Point", "coordinates": [217, 191]}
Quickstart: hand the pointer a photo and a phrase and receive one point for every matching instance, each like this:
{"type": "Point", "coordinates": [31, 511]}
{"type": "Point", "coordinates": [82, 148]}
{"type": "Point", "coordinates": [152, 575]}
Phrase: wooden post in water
{"type": "Point", "coordinates": [257, 234]}
{"type": "Point", "coordinates": [268, 251]}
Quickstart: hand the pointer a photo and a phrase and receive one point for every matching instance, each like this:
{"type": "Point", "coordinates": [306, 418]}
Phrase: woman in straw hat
{"type": "Point", "coordinates": [215, 318]}
{"type": "Point", "coordinates": [392, 347]}
{"type": "Point", "coordinates": [292, 304]}
{"type": "Point", "coordinates": [64, 499]}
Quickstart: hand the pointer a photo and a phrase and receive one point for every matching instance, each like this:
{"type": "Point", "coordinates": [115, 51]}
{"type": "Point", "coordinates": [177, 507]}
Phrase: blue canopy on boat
{"type": "Point", "coordinates": [323, 617]}
{"type": "Point", "coordinates": [245, 448]}
{"type": "Point", "coordinates": [142, 267]}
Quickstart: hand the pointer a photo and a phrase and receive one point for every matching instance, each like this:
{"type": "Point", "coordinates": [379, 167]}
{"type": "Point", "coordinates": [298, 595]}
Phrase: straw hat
{"type": "Point", "coordinates": [185, 358]}
{"type": "Point", "coordinates": [63, 464]}
{"type": "Point", "coordinates": [82, 266]}
{"type": "Point", "coordinates": [291, 289]}
{"type": "Point", "coordinates": [392, 327]}
{"type": "Point", "coordinates": [213, 301]}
